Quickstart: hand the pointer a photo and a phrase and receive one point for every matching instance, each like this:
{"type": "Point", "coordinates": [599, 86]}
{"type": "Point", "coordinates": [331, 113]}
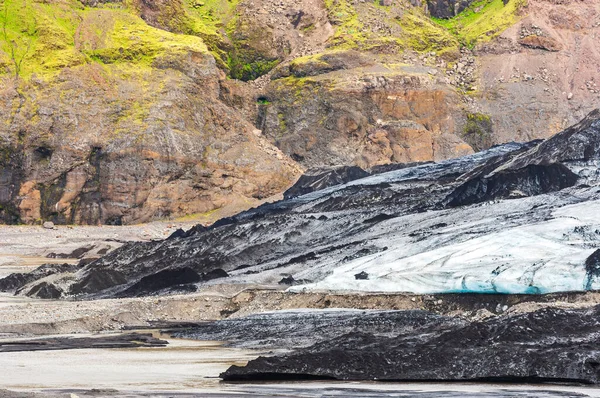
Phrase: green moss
{"type": "Point", "coordinates": [349, 32]}
{"type": "Point", "coordinates": [478, 131]}
{"type": "Point", "coordinates": [420, 34]}
{"type": "Point", "coordinates": [248, 57]}
{"type": "Point", "coordinates": [244, 67]}
{"type": "Point", "coordinates": [302, 88]}
{"type": "Point", "coordinates": [45, 37]}
{"type": "Point", "coordinates": [117, 36]}
{"type": "Point", "coordinates": [282, 124]}
{"type": "Point", "coordinates": [207, 19]}
{"type": "Point", "coordinates": [483, 20]}
{"type": "Point", "coordinates": [37, 37]}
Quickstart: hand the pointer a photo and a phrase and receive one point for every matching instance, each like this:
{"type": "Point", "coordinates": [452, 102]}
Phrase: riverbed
{"type": "Point", "coordinates": [191, 368]}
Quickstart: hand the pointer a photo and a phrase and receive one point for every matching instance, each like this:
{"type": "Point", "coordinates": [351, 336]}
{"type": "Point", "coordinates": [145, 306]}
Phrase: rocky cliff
{"type": "Point", "coordinates": [126, 111]}
{"type": "Point", "coordinates": [126, 127]}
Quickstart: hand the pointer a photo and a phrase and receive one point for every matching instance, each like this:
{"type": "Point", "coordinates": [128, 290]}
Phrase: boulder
{"type": "Point", "coordinates": [540, 42]}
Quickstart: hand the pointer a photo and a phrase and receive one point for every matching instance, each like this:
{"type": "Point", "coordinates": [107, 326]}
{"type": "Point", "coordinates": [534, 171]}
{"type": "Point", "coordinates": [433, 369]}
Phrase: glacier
{"type": "Point", "coordinates": [544, 257]}
{"type": "Point", "coordinates": [518, 218]}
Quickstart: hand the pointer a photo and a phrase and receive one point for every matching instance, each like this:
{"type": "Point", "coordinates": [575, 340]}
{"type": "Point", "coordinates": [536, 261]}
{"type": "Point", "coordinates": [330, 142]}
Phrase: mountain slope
{"type": "Point", "coordinates": [128, 129]}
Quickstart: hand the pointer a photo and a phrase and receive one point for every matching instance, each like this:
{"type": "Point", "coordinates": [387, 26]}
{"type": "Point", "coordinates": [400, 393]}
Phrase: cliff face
{"type": "Point", "coordinates": [542, 73]}
{"type": "Point", "coordinates": [131, 131]}
{"type": "Point", "coordinates": [94, 145]}
{"type": "Point", "coordinates": [369, 115]}
{"type": "Point", "coordinates": [447, 8]}
{"type": "Point", "coordinates": [128, 111]}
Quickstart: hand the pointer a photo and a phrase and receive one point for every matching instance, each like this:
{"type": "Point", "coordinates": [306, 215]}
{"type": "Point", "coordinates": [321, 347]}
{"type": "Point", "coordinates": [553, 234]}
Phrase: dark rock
{"type": "Point", "coordinates": [98, 279]}
{"type": "Point", "coordinates": [288, 280]}
{"type": "Point", "coordinates": [196, 229]}
{"type": "Point", "coordinates": [43, 290]}
{"type": "Point", "coordinates": [77, 253]}
{"type": "Point", "coordinates": [361, 276]}
{"type": "Point", "coordinates": [379, 218]}
{"type": "Point", "coordinates": [447, 8]}
{"type": "Point", "coordinates": [529, 181]}
{"type": "Point", "coordinates": [296, 329]}
{"type": "Point", "coordinates": [12, 282]}
{"type": "Point", "coordinates": [318, 179]}
{"type": "Point", "coordinates": [87, 261]}
{"type": "Point", "coordinates": [214, 274]}
{"type": "Point", "coordinates": [129, 340]}
{"type": "Point", "coordinates": [538, 170]}
{"type": "Point", "coordinates": [15, 282]}
{"type": "Point", "coordinates": [165, 279]}
{"type": "Point", "coordinates": [550, 345]}
{"type": "Point", "coordinates": [179, 233]}
{"type": "Point", "coordinates": [592, 267]}
{"type": "Point", "coordinates": [578, 142]}
{"type": "Point", "coordinates": [384, 168]}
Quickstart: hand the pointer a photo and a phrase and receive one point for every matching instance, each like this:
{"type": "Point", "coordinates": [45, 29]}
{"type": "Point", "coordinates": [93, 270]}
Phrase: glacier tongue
{"type": "Point", "coordinates": [545, 257]}
{"type": "Point", "coordinates": [517, 218]}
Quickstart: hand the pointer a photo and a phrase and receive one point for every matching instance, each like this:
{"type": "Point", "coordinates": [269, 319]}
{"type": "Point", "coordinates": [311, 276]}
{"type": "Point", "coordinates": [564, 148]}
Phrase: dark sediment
{"type": "Point", "coordinates": [549, 345]}
{"type": "Point", "coordinates": [129, 340]}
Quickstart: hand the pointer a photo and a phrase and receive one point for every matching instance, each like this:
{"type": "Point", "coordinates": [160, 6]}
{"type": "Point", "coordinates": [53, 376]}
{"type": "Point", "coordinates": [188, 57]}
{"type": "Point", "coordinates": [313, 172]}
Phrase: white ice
{"type": "Point", "coordinates": [543, 257]}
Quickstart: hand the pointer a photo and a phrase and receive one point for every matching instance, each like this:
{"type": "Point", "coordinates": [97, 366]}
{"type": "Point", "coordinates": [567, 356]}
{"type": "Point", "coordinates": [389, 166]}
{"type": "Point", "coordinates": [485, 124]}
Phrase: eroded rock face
{"type": "Point", "coordinates": [447, 8]}
{"type": "Point", "coordinates": [527, 62]}
{"type": "Point", "coordinates": [105, 133]}
{"type": "Point", "coordinates": [159, 145]}
{"type": "Point", "coordinates": [267, 33]}
{"type": "Point", "coordinates": [351, 117]}
{"type": "Point", "coordinates": [550, 345]}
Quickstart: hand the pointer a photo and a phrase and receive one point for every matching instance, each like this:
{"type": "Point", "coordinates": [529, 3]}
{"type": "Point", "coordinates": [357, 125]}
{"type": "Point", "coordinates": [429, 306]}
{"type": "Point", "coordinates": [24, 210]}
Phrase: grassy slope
{"type": "Point", "coordinates": [483, 21]}
{"type": "Point", "coordinates": [43, 38]}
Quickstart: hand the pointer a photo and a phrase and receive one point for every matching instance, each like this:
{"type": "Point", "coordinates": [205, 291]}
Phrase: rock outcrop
{"type": "Point", "coordinates": [138, 134]}
{"type": "Point", "coordinates": [364, 116]}
{"type": "Point", "coordinates": [447, 8]}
